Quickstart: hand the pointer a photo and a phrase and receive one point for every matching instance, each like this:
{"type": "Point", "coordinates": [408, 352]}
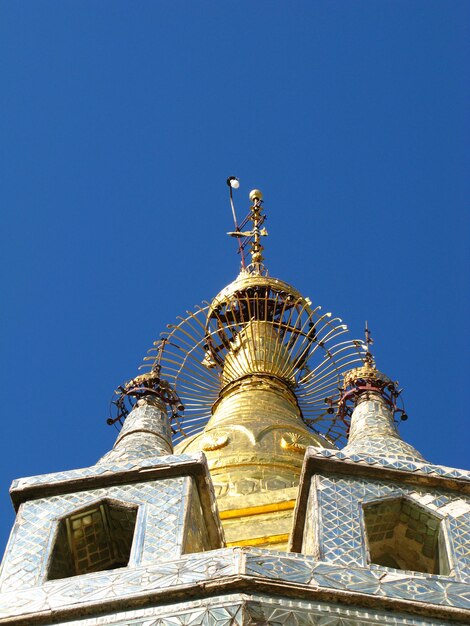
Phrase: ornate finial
{"type": "Point", "coordinates": [147, 385]}
{"type": "Point", "coordinates": [257, 218]}
{"type": "Point", "coordinates": [366, 379]}
{"type": "Point", "coordinates": [368, 373]}
{"type": "Point", "coordinates": [254, 235]}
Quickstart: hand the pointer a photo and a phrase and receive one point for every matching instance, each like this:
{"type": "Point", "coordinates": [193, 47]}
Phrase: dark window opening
{"type": "Point", "coordinates": [405, 535]}
{"type": "Point", "coordinates": [93, 539]}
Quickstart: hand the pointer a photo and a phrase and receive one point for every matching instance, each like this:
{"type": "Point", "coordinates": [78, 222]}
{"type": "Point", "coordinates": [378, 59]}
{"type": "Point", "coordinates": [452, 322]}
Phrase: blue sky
{"type": "Point", "coordinates": [120, 122]}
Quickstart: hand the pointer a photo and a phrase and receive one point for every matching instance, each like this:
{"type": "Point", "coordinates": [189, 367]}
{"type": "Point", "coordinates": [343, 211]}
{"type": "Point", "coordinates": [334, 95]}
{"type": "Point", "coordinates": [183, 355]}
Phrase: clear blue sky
{"type": "Point", "coordinates": [120, 122]}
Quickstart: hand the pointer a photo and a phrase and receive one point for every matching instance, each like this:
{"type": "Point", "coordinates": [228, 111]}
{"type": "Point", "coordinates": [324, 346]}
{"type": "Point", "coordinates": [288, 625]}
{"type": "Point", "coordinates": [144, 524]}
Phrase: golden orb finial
{"type": "Point", "coordinates": [255, 194]}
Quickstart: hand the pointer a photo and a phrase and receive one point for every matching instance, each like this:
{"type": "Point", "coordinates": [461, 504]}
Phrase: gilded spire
{"type": "Point", "coordinates": [257, 219]}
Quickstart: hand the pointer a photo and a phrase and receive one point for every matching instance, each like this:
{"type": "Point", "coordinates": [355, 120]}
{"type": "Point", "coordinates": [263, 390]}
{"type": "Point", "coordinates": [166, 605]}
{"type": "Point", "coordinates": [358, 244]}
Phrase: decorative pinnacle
{"type": "Point", "coordinates": [368, 372]}
{"type": "Point", "coordinates": [147, 385]}
{"type": "Point", "coordinates": [365, 379]}
{"type": "Point", "coordinates": [253, 236]}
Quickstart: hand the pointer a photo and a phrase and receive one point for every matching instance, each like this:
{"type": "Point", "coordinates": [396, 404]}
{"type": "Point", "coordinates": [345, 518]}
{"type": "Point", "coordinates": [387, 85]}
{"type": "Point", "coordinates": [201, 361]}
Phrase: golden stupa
{"type": "Point", "coordinates": [254, 397]}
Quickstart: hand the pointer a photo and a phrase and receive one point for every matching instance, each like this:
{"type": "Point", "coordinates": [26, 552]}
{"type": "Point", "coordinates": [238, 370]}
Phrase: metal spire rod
{"type": "Point", "coordinates": [234, 183]}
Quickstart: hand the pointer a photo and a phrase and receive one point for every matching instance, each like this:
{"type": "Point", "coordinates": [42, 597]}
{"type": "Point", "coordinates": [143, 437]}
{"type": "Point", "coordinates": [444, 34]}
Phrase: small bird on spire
{"type": "Point", "coordinates": [369, 342]}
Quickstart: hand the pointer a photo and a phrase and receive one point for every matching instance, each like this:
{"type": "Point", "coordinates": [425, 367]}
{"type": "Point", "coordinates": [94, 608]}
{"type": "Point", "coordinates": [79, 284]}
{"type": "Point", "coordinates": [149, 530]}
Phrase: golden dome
{"type": "Point", "coordinates": [248, 280]}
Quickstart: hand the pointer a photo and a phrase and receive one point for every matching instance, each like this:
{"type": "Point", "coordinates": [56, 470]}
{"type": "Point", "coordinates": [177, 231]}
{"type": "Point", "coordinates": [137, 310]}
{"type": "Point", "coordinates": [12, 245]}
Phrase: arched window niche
{"type": "Point", "coordinates": [92, 539]}
{"type": "Point", "coordinates": [405, 535]}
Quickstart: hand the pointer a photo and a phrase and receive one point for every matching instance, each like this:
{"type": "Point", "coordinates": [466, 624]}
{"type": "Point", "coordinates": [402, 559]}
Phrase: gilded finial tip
{"type": "Point", "coordinates": [255, 194]}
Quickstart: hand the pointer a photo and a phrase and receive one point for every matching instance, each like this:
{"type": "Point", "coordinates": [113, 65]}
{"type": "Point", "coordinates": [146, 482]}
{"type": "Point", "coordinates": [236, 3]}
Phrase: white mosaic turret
{"type": "Point", "coordinates": [101, 526]}
{"type": "Point", "coordinates": [373, 431]}
{"type": "Point", "coordinates": [146, 433]}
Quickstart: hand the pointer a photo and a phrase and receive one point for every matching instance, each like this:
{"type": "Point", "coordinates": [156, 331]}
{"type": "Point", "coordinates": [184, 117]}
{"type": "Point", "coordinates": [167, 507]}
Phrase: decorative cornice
{"type": "Point", "coordinates": [242, 570]}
